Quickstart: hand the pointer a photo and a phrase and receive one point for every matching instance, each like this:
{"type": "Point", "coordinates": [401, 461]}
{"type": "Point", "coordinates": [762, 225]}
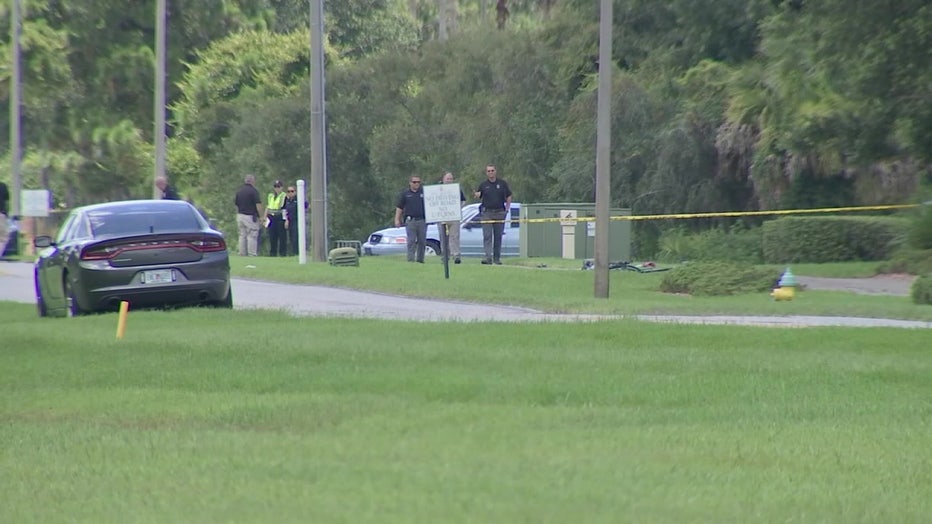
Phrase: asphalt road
{"type": "Point", "coordinates": [16, 284]}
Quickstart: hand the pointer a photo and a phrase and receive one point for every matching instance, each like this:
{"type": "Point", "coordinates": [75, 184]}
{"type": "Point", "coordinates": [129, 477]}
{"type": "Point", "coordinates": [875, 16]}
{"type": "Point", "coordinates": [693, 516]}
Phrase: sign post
{"type": "Point", "coordinates": [568, 221]}
{"type": "Point", "coordinates": [442, 204]}
{"type": "Point", "coordinates": [34, 203]}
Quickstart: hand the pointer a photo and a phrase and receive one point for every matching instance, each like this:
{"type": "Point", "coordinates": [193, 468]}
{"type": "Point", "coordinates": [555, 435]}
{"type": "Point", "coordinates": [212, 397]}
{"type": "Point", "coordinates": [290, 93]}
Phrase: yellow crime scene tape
{"type": "Point", "coordinates": [717, 214]}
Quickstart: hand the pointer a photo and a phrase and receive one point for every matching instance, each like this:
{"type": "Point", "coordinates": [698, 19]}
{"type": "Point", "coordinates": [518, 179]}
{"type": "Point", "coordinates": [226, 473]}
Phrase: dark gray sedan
{"type": "Point", "coordinates": [150, 253]}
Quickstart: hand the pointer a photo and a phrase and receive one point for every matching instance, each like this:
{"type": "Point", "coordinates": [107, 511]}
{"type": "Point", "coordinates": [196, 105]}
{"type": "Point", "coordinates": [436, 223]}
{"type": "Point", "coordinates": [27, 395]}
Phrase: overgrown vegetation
{"type": "Point", "coordinates": [717, 104]}
{"type": "Point", "coordinates": [718, 278]}
{"type": "Point", "coordinates": [921, 291]}
{"type": "Point", "coordinates": [910, 261]}
{"type": "Point", "coordinates": [831, 239]}
{"type": "Point", "coordinates": [737, 244]}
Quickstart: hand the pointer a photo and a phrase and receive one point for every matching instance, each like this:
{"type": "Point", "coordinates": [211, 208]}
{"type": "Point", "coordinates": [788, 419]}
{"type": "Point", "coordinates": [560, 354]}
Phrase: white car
{"type": "Point", "coordinates": [394, 240]}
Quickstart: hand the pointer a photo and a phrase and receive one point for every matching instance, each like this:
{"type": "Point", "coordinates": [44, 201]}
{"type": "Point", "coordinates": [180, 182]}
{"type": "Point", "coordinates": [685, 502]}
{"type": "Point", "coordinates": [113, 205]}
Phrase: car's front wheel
{"type": "Point", "coordinates": [432, 248]}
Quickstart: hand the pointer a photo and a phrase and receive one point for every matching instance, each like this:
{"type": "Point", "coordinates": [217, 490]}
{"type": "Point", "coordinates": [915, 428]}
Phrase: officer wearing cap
{"type": "Point", "coordinates": [410, 206]}
{"type": "Point", "coordinates": [278, 240]}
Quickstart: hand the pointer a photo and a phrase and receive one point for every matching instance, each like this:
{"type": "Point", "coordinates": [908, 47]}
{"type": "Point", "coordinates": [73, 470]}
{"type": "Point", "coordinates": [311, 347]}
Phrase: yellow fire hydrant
{"type": "Point", "coordinates": [786, 287]}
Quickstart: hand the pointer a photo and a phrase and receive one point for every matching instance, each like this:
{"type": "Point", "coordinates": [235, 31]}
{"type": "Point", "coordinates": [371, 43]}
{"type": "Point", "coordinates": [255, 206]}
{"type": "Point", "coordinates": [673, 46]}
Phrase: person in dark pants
{"type": "Point", "coordinates": [495, 197]}
{"type": "Point", "coordinates": [275, 215]}
{"type": "Point", "coordinates": [4, 220]}
{"type": "Point", "coordinates": [248, 210]}
{"type": "Point", "coordinates": [291, 218]}
{"type": "Point", "coordinates": [410, 206]}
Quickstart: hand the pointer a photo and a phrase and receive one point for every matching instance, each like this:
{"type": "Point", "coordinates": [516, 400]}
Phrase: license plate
{"type": "Point", "coordinates": [158, 276]}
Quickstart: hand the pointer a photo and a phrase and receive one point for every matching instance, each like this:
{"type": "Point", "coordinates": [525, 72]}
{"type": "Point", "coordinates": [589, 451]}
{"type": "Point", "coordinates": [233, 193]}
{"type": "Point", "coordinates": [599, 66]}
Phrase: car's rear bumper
{"type": "Point", "coordinates": [102, 288]}
{"type": "Point", "coordinates": [171, 294]}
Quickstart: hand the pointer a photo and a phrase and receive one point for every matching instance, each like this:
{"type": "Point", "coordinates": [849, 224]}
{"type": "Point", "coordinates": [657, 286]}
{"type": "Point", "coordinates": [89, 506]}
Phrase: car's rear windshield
{"type": "Point", "coordinates": [106, 223]}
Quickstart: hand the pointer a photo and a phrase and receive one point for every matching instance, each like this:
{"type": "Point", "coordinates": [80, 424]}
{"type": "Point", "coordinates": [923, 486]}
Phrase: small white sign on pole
{"type": "Point", "coordinates": [442, 203]}
{"type": "Point", "coordinates": [34, 202]}
{"type": "Point", "coordinates": [568, 217]}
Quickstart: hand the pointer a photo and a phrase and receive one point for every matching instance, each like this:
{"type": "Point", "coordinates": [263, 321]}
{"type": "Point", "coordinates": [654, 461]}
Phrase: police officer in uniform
{"type": "Point", "coordinates": [409, 206]}
{"type": "Point", "coordinates": [291, 218]}
{"type": "Point", "coordinates": [276, 221]}
{"type": "Point", "coordinates": [495, 197]}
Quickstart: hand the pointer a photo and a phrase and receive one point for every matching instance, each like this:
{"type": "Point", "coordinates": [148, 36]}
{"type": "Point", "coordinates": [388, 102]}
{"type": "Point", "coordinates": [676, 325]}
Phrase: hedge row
{"type": "Point", "coordinates": [831, 239]}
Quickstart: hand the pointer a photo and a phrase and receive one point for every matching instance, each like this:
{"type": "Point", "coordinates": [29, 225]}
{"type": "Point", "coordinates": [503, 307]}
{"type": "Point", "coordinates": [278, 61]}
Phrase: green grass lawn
{"type": "Point", "coordinates": [561, 286]}
{"type": "Point", "coordinates": [250, 416]}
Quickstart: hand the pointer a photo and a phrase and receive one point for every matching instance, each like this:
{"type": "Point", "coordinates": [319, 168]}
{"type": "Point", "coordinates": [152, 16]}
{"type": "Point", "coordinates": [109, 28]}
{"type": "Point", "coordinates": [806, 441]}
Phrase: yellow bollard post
{"type": "Point", "coordinates": [121, 323]}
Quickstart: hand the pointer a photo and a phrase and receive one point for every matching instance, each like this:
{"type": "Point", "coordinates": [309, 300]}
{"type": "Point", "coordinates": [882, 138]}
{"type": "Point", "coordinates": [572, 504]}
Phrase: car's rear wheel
{"type": "Point", "coordinates": [73, 309]}
{"type": "Point", "coordinates": [40, 304]}
{"type": "Point", "coordinates": [227, 302]}
{"type": "Point", "coordinates": [40, 300]}
{"type": "Point", "coordinates": [432, 248]}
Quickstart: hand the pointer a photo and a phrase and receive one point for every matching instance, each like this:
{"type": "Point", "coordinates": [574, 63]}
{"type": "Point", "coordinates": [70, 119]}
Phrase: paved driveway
{"type": "Point", "coordinates": [16, 284]}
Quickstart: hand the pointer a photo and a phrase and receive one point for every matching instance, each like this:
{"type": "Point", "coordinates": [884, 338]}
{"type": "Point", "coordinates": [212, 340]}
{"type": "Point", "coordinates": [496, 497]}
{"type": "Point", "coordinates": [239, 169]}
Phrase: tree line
{"type": "Point", "coordinates": [717, 104]}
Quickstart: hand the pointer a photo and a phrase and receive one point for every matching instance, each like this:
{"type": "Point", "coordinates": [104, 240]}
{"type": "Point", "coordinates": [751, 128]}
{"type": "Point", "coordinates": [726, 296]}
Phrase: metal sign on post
{"type": "Point", "coordinates": [568, 219]}
{"type": "Point", "coordinates": [35, 202]}
{"type": "Point", "coordinates": [442, 204]}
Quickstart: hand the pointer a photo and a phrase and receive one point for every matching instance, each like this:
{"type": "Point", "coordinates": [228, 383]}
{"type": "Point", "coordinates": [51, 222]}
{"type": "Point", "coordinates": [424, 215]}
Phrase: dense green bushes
{"type": "Point", "coordinates": [831, 239]}
{"type": "Point", "coordinates": [738, 244]}
{"type": "Point", "coordinates": [921, 291]}
{"type": "Point", "coordinates": [718, 278]}
{"type": "Point", "coordinates": [920, 232]}
{"type": "Point", "coordinates": [906, 260]}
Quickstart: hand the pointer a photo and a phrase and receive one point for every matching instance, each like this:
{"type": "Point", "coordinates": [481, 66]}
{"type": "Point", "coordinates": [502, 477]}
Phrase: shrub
{"type": "Point", "coordinates": [738, 244]}
{"type": "Point", "coordinates": [831, 239]}
{"type": "Point", "coordinates": [921, 291]}
{"type": "Point", "coordinates": [906, 260]}
{"type": "Point", "coordinates": [920, 231]}
{"type": "Point", "coordinates": [719, 278]}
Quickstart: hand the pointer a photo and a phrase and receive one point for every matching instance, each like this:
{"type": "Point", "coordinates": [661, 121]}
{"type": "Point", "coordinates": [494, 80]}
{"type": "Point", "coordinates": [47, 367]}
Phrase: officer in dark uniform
{"type": "Point", "coordinates": [291, 218]}
{"type": "Point", "coordinates": [495, 197]}
{"type": "Point", "coordinates": [409, 206]}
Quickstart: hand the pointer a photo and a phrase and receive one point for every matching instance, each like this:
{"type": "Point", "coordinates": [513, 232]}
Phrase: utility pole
{"type": "Point", "coordinates": [442, 21]}
{"type": "Point", "coordinates": [16, 147]}
{"type": "Point", "coordinates": [603, 173]}
{"type": "Point", "coordinates": [319, 241]}
{"type": "Point", "coordinates": [159, 102]}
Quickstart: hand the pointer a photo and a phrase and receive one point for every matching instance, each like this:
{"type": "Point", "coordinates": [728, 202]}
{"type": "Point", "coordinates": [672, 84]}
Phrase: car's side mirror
{"type": "Point", "coordinates": [43, 241]}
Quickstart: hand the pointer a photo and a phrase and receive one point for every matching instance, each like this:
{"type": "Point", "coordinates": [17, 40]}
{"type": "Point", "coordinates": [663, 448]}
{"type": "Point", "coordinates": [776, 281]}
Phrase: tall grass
{"type": "Point", "coordinates": [255, 416]}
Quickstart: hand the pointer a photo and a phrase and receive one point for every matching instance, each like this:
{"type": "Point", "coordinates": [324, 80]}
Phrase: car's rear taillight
{"type": "Point", "coordinates": [208, 244]}
{"type": "Point", "coordinates": [201, 244]}
{"type": "Point", "coordinates": [100, 252]}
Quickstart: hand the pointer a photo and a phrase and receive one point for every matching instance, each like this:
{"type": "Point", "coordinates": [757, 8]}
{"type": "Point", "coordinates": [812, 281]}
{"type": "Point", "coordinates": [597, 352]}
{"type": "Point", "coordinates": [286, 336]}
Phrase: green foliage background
{"type": "Point", "coordinates": [717, 104]}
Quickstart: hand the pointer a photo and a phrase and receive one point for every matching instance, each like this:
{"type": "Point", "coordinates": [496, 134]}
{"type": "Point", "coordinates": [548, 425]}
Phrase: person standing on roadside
{"type": "Point", "coordinates": [495, 197]}
{"type": "Point", "coordinates": [453, 242]}
{"type": "Point", "coordinates": [4, 217]}
{"type": "Point", "coordinates": [168, 192]}
{"type": "Point", "coordinates": [291, 218]}
{"type": "Point", "coordinates": [409, 206]}
{"type": "Point", "coordinates": [248, 210]}
{"type": "Point", "coordinates": [275, 215]}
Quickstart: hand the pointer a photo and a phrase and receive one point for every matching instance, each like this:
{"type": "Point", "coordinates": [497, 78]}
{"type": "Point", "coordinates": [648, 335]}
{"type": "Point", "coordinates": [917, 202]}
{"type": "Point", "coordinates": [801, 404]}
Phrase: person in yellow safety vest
{"type": "Point", "coordinates": [278, 240]}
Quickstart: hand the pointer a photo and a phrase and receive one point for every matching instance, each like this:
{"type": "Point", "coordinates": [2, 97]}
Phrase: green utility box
{"type": "Point", "coordinates": [550, 231]}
